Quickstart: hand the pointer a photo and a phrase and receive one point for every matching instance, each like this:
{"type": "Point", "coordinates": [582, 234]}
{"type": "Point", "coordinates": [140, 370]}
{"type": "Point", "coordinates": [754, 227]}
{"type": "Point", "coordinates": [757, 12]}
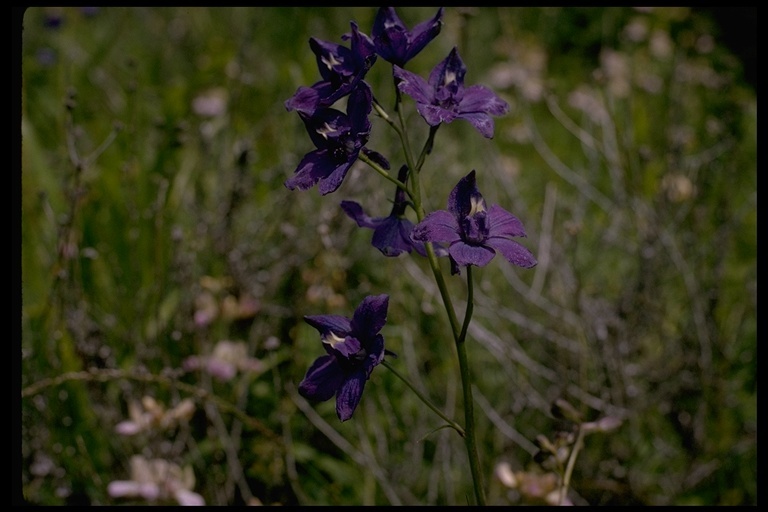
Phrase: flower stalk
{"type": "Point", "coordinates": [468, 232]}
{"type": "Point", "coordinates": [459, 333]}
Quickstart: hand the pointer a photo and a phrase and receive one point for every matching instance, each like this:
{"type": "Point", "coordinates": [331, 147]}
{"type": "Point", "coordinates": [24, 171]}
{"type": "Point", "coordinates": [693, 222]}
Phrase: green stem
{"type": "Point", "coordinates": [459, 331]}
{"type": "Point", "coordinates": [383, 114]}
{"type": "Point", "coordinates": [424, 399]}
{"type": "Point", "coordinates": [406, 146]}
{"type": "Point", "coordinates": [470, 306]}
{"type": "Point", "coordinates": [399, 129]}
{"type": "Point", "coordinates": [571, 463]}
{"type": "Point", "coordinates": [466, 383]}
{"type": "Point", "coordinates": [427, 149]}
{"type": "Point", "coordinates": [376, 167]}
{"type": "Point", "coordinates": [459, 336]}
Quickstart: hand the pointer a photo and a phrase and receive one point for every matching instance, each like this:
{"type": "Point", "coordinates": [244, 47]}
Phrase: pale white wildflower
{"type": "Point", "coordinates": [157, 480]}
{"type": "Point", "coordinates": [150, 414]}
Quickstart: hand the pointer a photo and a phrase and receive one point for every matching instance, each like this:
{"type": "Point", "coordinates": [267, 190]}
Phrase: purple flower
{"type": "Point", "coordinates": [341, 68]}
{"type": "Point", "coordinates": [354, 347]}
{"type": "Point", "coordinates": [444, 98]}
{"type": "Point", "coordinates": [395, 43]}
{"type": "Point", "coordinates": [339, 138]}
{"type": "Point", "coordinates": [391, 234]}
{"type": "Point", "coordinates": [474, 233]}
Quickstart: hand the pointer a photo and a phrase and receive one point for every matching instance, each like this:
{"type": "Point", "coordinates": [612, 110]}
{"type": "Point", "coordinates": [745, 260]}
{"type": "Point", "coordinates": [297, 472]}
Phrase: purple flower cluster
{"type": "Point", "coordinates": [341, 68]}
{"type": "Point", "coordinates": [339, 139]}
{"type": "Point", "coordinates": [468, 232]}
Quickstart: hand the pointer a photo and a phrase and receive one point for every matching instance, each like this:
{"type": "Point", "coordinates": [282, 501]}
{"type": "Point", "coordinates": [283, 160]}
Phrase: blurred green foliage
{"type": "Point", "coordinates": [155, 224]}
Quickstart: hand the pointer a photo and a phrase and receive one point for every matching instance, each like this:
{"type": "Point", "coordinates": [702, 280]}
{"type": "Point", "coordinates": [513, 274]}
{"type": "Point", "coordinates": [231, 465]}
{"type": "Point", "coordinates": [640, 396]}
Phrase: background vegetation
{"type": "Point", "coordinates": [155, 224]}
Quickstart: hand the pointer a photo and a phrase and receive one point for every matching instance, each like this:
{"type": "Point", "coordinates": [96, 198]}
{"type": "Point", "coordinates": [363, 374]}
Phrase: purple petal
{"type": "Point", "coordinates": [363, 49]}
{"type": "Point", "coordinates": [308, 100]}
{"type": "Point", "coordinates": [503, 223]}
{"type": "Point", "coordinates": [333, 181]}
{"type": "Point", "coordinates": [333, 60]}
{"type": "Point", "coordinates": [347, 348]}
{"type": "Point", "coordinates": [315, 166]}
{"type": "Point", "coordinates": [460, 198]}
{"type": "Point", "coordinates": [355, 211]}
{"type": "Point", "coordinates": [304, 100]}
{"type": "Point", "coordinates": [337, 324]}
{"type": "Point", "coordinates": [420, 248]}
{"type": "Point", "coordinates": [513, 251]}
{"type": "Point", "coordinates": [466, 254]}
{"type": "Point", "coordinates": [349, 395]}
{"type": "Point", "coordinates": [323, 379]}
{"type": "Point", "coordinates": [482, 122]}
{"type": "Point", "coordinates": [434, 114]}
{"type": "Point", "coordinates": [449, 73]}
{"type": "Point", "coordinates": [359, 105]}
{"type": "Point", "coordinates": [370, 316]}
{"type": "Point", "coordinates": [326, 126]}
{"type": "Point", "coordinates": [395, 43]}
{"type": "Point", "coordinates": [386, 18]}
{"type": "Point", "coordinates": [478, 98]}
{"type": "Point", "coordinates": [413, 85]}
{"type": "Point", "coordinates": [334, 94]}
{"type": "Point", "coordinates": [375, 353]}
{"type": "Point", "coordinates": [377, 157]}
{"type": "Point", "coordinates": [423, 33]}
{"type": "Point", "coordinates": [392, 237]}
{"type": "Point", "coordinates": [438, 226]}
{"type": "Point", "coordinates": [390, 36]}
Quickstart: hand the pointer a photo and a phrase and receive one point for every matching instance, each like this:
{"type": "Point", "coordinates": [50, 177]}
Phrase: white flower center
{"type": "Point", "coordinates": [332, 339]}
{"type": "Point", "coordinates": [477, 205]}
{"type": "Point", "coordinates": [325, 130]}
{"type": "Point", "coordinates": [330, 60]}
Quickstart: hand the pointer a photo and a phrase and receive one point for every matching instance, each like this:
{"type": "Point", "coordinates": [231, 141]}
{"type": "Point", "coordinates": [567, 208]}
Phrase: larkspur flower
{"type": "Point", "coordinates": [339, 138]}
{"type": "Point", "coordinates": [391, 234]}
{"type": "Point", "coordinates": [474, 233]}
{"type": "Point", "coordinates": [444, 98]}
{"type": "Point", "coordinates": [341, 69]}
{"type": "Point", "coordinates": [395, 43]}
{"type": "Point", "coordinates": [354, 348]}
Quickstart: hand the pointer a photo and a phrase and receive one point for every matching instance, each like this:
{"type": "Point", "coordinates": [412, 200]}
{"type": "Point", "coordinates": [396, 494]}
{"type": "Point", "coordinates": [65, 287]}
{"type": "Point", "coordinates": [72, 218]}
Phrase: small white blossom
{"type": "Point", "coordinates": [157, 480]}
{"type": "Point", "coordinates": [151, 414]}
